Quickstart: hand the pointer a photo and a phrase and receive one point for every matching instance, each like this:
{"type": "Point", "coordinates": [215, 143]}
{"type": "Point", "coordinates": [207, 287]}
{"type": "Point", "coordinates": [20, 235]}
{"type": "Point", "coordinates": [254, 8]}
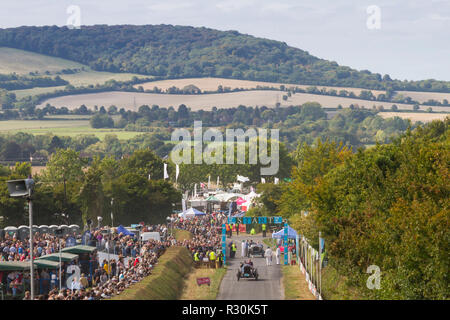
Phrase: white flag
{"type": "Point", "coordinates": [276, 180]}
{"type": "Point", "coordinates": [242, 178]}
{"type": "Point", "coordinates": [149, 176]}
{"type": "Point", "coordinates": [177, 173]}
{"type": "Point", "coordinates": [195, 191]}
{"type": "Point", "coordinates": [217, 182]}
{"type": "Point", "coordinates": [263, 180]}
{"type": "Point", "coordinates": [166, 175]}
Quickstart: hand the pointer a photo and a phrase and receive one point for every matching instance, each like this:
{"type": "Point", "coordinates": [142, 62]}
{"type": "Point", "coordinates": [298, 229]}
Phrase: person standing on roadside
{"type": "Point", "coordinates": [268, 255]}
{"type": "Point", "coordinates": [277, 254]}
{"type": "Point", "coordinates": [233, 250]}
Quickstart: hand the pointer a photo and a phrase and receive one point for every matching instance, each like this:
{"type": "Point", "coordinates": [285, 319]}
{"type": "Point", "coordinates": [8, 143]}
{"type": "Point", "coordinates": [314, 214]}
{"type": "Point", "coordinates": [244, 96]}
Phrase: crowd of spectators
{"type": "Point", "coordinates": [136, 259]}
{"type": "Point", "coordinates": [206, 243]}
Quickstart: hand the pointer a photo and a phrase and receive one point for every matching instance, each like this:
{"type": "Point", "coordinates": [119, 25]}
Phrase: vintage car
{"type": "Point", "coordinates": [256, 250]}
{"type": "Point", "coordinates": [247, 271]}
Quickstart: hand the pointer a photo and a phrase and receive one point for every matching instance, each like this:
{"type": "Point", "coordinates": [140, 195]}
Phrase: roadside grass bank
{"type": "Point", "coordinates": [295, 285]}
{"type": "Point", "coordinates": [181, 235]}
{"type": "Point", "coordinates": [192, 291]}
{"type": "Point", "coordinates": [270, 242]}
{"type": "Point", "coordinates": [337, 287]}
{"type": "Point", "coordinates": [166, 281]}
{"type": "Point", "coordinates": [334, 285]}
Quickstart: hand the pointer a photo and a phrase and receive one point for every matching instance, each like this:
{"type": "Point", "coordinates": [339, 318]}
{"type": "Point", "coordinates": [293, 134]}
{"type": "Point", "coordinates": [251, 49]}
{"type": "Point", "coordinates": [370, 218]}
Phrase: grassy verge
{"type": "Point", "coordinates": [295, 285]}
{"type": "Point", "coordinates": [336, 286]}
{"type": "Point", "coordinates": [181, 235]}
{"type": "Point", "coordinates": [166, 282]}
{"type": "Point", "coordinates": [192, 291]}
{"type": "Point", "coordinates": [270, 242]}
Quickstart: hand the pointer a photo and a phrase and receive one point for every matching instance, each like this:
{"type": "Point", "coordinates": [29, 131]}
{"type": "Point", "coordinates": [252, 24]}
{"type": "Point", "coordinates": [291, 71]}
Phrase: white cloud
{"type": "Point", "coordinates": [235, 5]}
{"type": "Point", "coordinates": [170, 6]}
{"type": "Point", "coordinates": [279, 7]}
{"type": "Point", "coordinates": [438, 17]}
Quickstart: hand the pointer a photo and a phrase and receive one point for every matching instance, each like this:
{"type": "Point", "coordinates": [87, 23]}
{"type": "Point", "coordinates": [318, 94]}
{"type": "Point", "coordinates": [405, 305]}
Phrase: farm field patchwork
{"type": "Point", "coordinates": [35, 91]}
{"type": "Point", "coordinates": [61, 128]}
{"type": "Point", "coordinates": [23, 62]}
{"type": "Point", "coordinates": [425, 96]}
{"type": "Point", "coordinates": [211, 84]}
{"type": "Point", "coordinates": [269, 98]}
{"type": "Point", "coordinates": [414, 117]}
{"type": "Point", "coordinates": [85, 78]}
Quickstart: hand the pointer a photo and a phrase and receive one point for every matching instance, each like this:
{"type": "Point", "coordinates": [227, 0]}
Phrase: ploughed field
{"type": "Point", "coordinates": [268, 98]}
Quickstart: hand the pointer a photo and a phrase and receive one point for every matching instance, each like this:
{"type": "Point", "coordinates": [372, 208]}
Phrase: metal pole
{"type": "Point", "coordinates": [285, 243]}
{"type": "Point", "coordinates": [109, 263]}
{"type": "Point", "coordinates": [30, 209]}
{"type": "Point", "coordinates": [224, 244]}
{"type": "Point", "coordinates": [112, 216]}
{"type": "Point", "coordinates": [320, 263]}
{"type": "Point", "coordinates": [60, 274]}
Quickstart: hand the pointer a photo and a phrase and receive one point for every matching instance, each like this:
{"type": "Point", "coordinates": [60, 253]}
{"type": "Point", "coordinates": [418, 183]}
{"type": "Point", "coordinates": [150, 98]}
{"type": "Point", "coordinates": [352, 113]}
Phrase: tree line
{"type": "Point", "coordinates": [355, 127]}
{"type": "Point", "coordinates": [17, 82]}
{"type": "Point", "coordinates": [179, 52]}
{"type": "Point", "coordinates": [83, 190]}
{"type": "Point", "coordinates": [386, 206]}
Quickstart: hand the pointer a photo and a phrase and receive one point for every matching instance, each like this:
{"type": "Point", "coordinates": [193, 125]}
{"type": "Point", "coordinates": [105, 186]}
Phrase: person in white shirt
{"type": "Point", "coordinates": [277, 255]}
{"type": "Point", "coordinates": [268, 255]}
{"type": "Point", "coordinates": [243, 248]}
{"type": "Point", "coordinates": [76, 285]}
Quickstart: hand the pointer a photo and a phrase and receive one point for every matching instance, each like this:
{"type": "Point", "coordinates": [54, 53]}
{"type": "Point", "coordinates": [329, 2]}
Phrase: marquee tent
{"type": "Point", "coordinates": [191, 212]}
{"type": "Point", "coordinates": [78, 249]}
{"type": "Point", "coordinates": [65, 256]}
{"type": "Point", "coordinates": [292, 234]}
{"type": "Point", "coordinates": [225, 197]}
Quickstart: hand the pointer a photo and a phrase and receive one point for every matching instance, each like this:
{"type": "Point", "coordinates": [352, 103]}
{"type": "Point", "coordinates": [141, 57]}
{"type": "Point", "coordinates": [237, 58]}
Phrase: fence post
{"type": "Point", "coordinates": [320, 263]}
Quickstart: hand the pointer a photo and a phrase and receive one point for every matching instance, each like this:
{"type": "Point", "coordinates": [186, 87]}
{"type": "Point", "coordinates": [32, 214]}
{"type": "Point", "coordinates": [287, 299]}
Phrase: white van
{"type": "Point", "coordinates": [150, 235]}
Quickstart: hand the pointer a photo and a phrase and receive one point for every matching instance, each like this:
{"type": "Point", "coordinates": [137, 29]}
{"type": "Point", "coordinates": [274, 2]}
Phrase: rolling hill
{"type": "Point", "coordinates": [168, 51]}
{"type": "Point", "coordinates": [25, 62]}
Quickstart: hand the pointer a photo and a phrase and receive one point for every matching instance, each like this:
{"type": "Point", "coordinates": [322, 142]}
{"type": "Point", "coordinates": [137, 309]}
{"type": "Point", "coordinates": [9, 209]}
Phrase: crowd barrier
{"type": "Point", "coordinates": [309, 262]}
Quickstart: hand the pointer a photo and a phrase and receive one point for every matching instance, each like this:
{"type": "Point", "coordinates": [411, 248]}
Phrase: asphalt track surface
{"type": "Point", "coordinates": [267, 287]}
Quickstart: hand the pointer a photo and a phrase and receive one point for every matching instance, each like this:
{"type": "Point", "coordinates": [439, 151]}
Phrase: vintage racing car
{"type": "Point", "coordinates": [247, 271]}
{"type": "Point", "coordinates": [256, 250]}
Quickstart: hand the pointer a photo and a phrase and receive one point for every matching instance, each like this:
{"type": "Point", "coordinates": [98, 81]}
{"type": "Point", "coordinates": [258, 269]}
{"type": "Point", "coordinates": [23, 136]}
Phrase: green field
{"type": "Point", "coordinates": [88, 77]}
{"type": "Point", "coordinates": [34, 91]}
{"type": "Point", "coordinates": [23, 62]}
{"type": "Point", "coordinates": [62, 128]}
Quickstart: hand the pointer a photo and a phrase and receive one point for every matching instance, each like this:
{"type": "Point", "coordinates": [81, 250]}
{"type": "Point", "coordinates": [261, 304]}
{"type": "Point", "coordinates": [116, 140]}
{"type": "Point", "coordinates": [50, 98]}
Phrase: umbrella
{"type": "Point", "coordinates": [240, 201]}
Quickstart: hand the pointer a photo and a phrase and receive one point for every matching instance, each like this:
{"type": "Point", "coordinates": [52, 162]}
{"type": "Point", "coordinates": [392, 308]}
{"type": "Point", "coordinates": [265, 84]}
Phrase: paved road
{"type": "Point", "coordinates": [267, 287]}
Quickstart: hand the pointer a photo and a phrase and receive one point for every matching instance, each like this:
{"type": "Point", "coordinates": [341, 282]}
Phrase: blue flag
{"type": "Point", "coordinates": [70, 242]}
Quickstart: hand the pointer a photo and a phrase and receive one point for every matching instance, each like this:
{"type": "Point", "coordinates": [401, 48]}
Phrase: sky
{"type": "Point", "coordinates": [407, 39]}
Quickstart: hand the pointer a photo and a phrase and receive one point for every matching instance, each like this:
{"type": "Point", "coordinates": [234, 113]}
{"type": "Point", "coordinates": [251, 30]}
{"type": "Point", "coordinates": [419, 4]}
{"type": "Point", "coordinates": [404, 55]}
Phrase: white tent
{"type": "Point", "coordinates": [251, 195]}
{"type": "Point", "coordinates": [191, 212]}
{"type": "Point", "coordinates": [225, 197]}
